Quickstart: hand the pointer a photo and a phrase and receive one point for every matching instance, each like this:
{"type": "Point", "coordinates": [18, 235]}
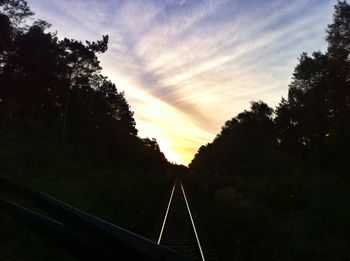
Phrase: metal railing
{"type": "Point", "coordinates": [84, 235]}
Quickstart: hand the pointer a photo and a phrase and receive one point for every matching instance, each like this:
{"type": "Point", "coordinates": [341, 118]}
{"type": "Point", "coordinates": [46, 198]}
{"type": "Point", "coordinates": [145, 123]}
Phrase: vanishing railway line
{"type": "Point", "coordinates": [88, 237]}
{"type": "Point", "coordinates": [178, 230]}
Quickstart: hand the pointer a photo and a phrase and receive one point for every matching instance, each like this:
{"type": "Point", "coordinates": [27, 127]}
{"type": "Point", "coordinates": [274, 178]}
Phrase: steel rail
{"type": "Point", "coordinates": [136, 242]}
{"type": "Point", "coordinates": [194, 227]}
{"type": "Point", "coordinates": [166, 214]}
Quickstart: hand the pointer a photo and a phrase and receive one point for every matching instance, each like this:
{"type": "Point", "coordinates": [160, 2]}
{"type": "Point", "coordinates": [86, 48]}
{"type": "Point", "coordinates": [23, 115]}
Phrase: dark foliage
{"type": "Point", "coordinates": [312, 123]}
{"type": "Point", "coordinates": [65, 129]}
{"type": "Point", "coordinates": [60, 83]}
{"type": "Point", "coordinates": [278, 179]}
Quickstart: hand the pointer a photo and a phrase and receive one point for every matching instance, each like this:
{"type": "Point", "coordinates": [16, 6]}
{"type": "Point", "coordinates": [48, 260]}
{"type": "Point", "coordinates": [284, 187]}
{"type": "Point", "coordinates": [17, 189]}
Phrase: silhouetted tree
{"type": "Point", "coordinates": [16, 10]}
{"type": "Point", "coordinates": [312, 124]}
{"type": "Point", "coordinates": [338, 38]}
{"type": "Point", "coordinates": [242, 145]}
{"type": "Point", "coordinates": [308, 100]}
{"type": "Point", "coordinates": [59, 82]}
{"type": "Point", "coordinates": [81, 64]}
{"type": "Point", "coordinates": [315, 117]}
{"type": "Point", "coordinates": [5, 32]}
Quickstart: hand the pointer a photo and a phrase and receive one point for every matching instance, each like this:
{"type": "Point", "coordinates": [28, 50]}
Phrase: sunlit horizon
{"type": "Point", "coordinates": [188, 66]}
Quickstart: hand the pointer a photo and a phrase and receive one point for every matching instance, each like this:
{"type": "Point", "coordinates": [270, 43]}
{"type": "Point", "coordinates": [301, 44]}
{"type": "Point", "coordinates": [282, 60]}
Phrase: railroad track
{"type": "Point", "coordinates": [89, 237]}
{"type": "Point", "coordinates": [179, 231]}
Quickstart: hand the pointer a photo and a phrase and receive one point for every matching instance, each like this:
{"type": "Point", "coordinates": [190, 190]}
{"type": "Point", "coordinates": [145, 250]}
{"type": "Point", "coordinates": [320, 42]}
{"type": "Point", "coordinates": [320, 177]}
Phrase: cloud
{"type": "Point", "coordinates": [188, 66]}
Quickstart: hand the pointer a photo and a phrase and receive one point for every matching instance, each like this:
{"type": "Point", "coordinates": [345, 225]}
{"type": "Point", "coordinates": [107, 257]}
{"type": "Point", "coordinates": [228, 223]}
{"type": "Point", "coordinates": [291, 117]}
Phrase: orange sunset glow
{"type": "Point", "coordinates": [184, 68]}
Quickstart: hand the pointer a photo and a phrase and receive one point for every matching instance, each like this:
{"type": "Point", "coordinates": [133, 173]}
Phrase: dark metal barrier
{"type": "Point", "coordinates": [84, 235]}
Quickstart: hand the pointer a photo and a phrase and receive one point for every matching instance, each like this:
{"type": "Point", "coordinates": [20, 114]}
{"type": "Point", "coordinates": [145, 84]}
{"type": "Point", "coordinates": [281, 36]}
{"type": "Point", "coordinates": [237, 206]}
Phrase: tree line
{"type": "Point", "coordinates": [59, 82]}
{"type": "Point", "coordinates": [311, 126]}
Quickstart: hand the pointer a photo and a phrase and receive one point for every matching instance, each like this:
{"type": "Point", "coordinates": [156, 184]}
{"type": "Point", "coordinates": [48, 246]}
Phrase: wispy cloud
{"type": "Point", "coordinates": [188, 66]}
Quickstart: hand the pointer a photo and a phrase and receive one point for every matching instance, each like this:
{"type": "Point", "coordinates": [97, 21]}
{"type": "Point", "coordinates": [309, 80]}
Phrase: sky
{"type": "Point", "coordinates": [187, 66]}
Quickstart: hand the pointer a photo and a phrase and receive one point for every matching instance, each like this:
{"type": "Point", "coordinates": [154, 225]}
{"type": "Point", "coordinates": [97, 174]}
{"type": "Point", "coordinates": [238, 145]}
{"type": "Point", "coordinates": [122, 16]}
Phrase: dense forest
{"type": "Point", "coordinates": [279, 177]}
{"type": "Point", "coordinates": [58, 83]}
{"type": "Point", "coordinates": [65, 129]}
